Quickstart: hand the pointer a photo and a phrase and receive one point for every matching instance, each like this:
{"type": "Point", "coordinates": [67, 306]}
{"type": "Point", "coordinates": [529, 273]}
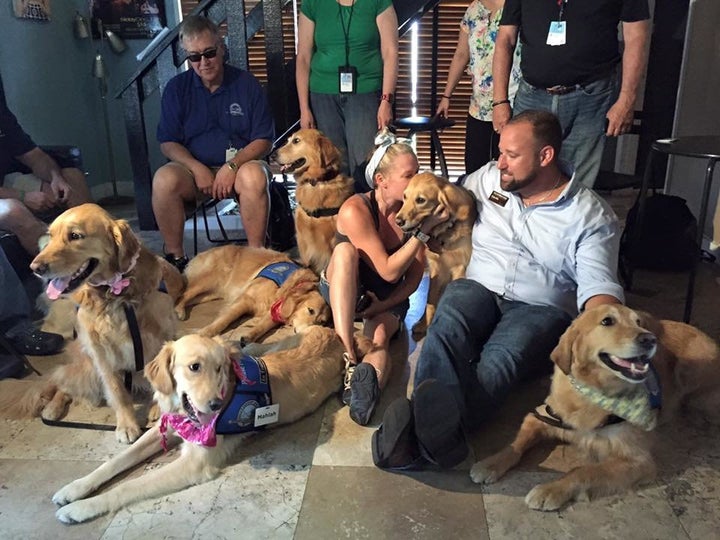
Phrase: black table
{"type": "Point", "coordinates": [417, 124]}
{"type": "Point", "coordinates": [704, 147]}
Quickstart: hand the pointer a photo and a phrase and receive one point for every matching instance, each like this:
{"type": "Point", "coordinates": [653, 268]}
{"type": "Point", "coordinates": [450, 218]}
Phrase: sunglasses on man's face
{"type": "Point", "coordinates": [196, 57]}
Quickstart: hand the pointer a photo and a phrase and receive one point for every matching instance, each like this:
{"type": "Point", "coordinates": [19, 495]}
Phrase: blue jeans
{"type": "Point", "coordinates": [350, 122]}
{"type": "Point", "coordinates": [480, 346]}
{"type": "Point", "coordinates": [582, 117]}
{"type": "Point", "coordinates": [14, 302]}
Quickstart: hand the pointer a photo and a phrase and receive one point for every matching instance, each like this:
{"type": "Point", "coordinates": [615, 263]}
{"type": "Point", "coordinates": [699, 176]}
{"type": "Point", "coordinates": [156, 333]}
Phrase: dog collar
{"type": "Point", "coordinates": [321, 212]}
{"type": "Point", "coordinates": [118, 283]}
{"type": "Point", "coordinates": [634, 405]}
{"type": "Point", "coordinates": [276, 308]}
{"type": "Point", "coordinates": [329, 175]}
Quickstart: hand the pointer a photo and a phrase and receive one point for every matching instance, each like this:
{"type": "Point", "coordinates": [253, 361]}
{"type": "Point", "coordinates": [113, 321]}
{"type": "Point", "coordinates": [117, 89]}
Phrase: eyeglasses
{"type": "Point", "coordinates": [196, 57]}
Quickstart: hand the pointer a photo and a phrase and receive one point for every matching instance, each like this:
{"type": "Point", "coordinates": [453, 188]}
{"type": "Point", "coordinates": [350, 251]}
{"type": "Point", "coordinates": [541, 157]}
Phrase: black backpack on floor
{"type": "Point", "coordinates": [665, 241]}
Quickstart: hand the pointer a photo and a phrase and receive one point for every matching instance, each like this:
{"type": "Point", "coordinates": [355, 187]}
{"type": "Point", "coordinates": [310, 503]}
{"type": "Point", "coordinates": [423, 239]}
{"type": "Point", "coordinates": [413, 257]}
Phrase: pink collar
{"type": "Point", "coordinates": [118, 283]}
{"type": "Point", "coordinates": [188, 430]}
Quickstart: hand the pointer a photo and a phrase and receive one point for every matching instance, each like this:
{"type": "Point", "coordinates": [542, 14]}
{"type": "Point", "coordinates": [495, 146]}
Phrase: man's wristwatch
{"type": "Point", "coordinates": [233, 166]}
{"type": "Point", "coordinates": [421, 236]}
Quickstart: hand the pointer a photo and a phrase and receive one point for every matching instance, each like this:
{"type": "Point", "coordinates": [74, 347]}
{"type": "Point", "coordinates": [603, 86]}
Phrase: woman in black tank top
{"type": "Point", "coordinates": [374, 260]}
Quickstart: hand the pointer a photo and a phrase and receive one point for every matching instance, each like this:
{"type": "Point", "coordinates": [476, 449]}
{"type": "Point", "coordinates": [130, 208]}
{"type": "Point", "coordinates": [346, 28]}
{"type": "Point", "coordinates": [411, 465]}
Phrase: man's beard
{"type": "Point", "coordinates": [516, 184]}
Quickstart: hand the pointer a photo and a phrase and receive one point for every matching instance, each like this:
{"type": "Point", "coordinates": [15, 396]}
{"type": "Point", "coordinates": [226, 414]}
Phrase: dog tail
{"type": "Point", "coordinates": [24, 399]}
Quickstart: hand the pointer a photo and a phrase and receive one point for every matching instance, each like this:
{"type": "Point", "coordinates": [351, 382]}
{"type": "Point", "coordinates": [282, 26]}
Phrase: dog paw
{"type": "Point", "coordinates": [154, 412]}
{"type": "Point", "coordinates": [419, 330]}
{"type": "Point", "coordinates": [77, 512]}
{"type": "Point", "coordinates": [181, 314]}
{"type": "Point", "coordinates": [70, 493]}
{"type": "Point", "coordinates": [548, 497]}
{"type": "Point", "coordinates": [57, 407]}
{"type": "Point", "coordinates": [127, 434]}
{"type": "Point", "coordinates": [485, 473]}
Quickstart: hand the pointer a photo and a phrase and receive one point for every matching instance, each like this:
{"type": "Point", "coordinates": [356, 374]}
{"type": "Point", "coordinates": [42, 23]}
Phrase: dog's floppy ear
{"type": "Point", "coordinates": [329, 154]}
{"type": "Point", "coordinates": [562, 354]}
{"type": "Point", "coordinates": [232, 348]}
{"type": "Point", "coordinates": [159, 373]}
{"type": "Point", "coordinates": [127, 244]}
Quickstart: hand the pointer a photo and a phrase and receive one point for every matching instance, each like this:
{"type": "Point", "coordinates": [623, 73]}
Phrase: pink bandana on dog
{"type": "Point", "coordinates": [188, 430]}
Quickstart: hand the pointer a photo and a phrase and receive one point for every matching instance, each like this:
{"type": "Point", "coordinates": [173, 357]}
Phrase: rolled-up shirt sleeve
{"type": "Point", "coordinates": [596, 262]}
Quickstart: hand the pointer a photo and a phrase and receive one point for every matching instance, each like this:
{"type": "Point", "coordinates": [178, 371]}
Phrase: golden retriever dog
{"type": "Point", "coordinates": [101, 264]}
{"type": "Point", "coordinates": [613, 367]}
{"type": "Point", "coordinates": [231, 273]}
{"type": "Point", "coordinates": [451, 244]}
{"type": "Point", "coordinates": [321, 189]}
{"type": "Point", "coordinates": [191, 377]}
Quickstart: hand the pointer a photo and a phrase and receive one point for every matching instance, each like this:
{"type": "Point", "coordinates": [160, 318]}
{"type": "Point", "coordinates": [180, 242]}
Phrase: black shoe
{"type": "Point", "coordinates": [36, 342]}
{"type": "Point", "coordinates": [178, 262]}
{"type": "Point", "coordinates": [11, 366]}
{"type": "Point", "coordinates": [438, 424]}
{"type": "Point", "coordinates": [394, 444]}
{"type": "Point", "coordinates": [365, 393]}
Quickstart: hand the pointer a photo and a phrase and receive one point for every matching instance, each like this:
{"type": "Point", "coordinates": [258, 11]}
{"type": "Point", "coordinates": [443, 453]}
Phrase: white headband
{"type": "Point", "coordinates": [385, 139]}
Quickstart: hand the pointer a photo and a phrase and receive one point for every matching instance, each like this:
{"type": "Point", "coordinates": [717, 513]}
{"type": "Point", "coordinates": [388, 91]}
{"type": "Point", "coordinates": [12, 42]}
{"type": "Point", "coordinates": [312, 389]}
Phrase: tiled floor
{"type": "Point", "coordinates": [315, 479]}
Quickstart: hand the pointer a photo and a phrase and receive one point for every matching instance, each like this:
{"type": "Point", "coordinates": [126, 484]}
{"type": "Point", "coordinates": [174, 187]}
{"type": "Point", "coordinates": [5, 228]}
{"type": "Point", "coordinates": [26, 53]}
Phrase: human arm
{"type": "Point", "coordinates": [306, 42]}
{"type": "Point", "coordinates": [601, 299]}
{"type": "Point", "coordinates": [502, 64]}
{"type": "Point", "coordinates": [223, 186]}
{"type": "Point", "coordinates": [457, 68]}
{"type": "Point", "coordinates": [356, 222]}
{"type": "Point", "coordinates": [407, 286]}
{"type": "Point", "coordinates": [596, 263]}
{"type": "Point", "coordinates": [635, 38]}
{"type": "Point", "coordinates": [47, 170]}
{"type": "Point", "coordinates": [387, 24]}
{"type": "Point", "coordinates": [202, 174]}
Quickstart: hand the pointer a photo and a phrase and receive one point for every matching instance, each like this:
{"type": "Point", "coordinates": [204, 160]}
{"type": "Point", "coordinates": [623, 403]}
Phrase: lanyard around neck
{"type": "Point", "coordinates": [346, 31]}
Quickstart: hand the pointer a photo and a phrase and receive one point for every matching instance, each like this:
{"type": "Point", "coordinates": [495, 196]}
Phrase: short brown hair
{"type": "Point", "coordinates": [545, 125]}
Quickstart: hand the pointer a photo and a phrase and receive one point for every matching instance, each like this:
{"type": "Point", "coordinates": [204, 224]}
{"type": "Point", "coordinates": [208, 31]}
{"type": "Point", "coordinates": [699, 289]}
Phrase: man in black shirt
{"type": "Point", "coordinates": [569, 57]}
{"type": "Point", "coordinates": [24, 198]}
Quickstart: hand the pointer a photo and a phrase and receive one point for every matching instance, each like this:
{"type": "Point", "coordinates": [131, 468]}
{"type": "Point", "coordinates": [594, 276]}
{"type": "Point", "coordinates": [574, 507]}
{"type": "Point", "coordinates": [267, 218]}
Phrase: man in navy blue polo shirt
{"type": "Point", "coordinates": [215, 126]}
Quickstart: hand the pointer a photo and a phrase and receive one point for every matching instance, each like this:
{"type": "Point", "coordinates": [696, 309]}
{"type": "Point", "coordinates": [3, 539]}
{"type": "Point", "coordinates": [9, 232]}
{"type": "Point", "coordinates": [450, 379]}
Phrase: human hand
{"type": "Point", "coordinates": [37, 201]}
{"type": "Point", "coordinates": [443, 108]}
{"type": "Point", "coordinates": [224, 184]}
{"type": "Point", "coordinates": [384, 114]}
{"type": "Point", "coordinates": [500, 116]}
{"type": "Point", "coordinates": [61, 190]}
{"type": "Point", "coordinates": [620, 118]}
{"type": "Point", "coordinates": [307, 120]}
{"type": "Point", "coordinates": [203, 179]}
{"type": "Point", "coordinates": [439, 215]}
{"type": "Point", "coordinates": [375, 306]}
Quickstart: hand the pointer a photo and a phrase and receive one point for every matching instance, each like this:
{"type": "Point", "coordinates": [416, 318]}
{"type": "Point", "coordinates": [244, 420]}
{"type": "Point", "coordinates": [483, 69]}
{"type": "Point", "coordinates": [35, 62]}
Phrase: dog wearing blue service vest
{"type": "Point", "coordinates": [196, 379]}
{"type": "Point", "coordinates": [618, 373]}
{"type": "Point", "coordinates": [262, 283]}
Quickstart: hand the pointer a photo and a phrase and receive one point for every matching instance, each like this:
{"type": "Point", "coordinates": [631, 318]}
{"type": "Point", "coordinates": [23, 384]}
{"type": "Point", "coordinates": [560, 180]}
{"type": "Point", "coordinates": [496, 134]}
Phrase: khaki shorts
{"type": "Point", "coordinates": [22, 182]}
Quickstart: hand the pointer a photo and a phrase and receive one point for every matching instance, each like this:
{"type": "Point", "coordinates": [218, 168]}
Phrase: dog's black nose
{"type": "Point", "coordinates": [215, 404]}
{"type": "Point", "coordinates": [646, 340]}
{"type": "Point", "coordinates": [400, 222]}
{"type": "Point", "coordinates": [39, 269]}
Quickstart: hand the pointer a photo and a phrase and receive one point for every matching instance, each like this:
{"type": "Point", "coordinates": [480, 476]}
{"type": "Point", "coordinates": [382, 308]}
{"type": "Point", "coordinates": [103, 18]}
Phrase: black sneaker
{"type": "Point", "coordinates": [36, 342]}
{"type": "Point", "coordinates": [178, 262]}
{"type": "Point", "coordinates": [11, 366]}
{"type": "Point", "coordinates": [365, 393]}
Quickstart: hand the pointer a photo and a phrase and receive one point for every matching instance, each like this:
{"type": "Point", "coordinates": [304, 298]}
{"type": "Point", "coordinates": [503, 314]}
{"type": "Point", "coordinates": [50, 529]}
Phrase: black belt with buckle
{"type": "Point", "coordinates": [559, 90]}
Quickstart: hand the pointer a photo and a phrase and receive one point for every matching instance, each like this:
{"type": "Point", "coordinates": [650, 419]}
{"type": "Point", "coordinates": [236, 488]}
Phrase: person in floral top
{"type": "Point", "coordinates": [474, 54]}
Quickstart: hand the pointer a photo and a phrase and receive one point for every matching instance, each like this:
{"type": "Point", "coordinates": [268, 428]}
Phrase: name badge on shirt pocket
{"type": "Point", "coordinates": [498, 198]}
{"type": "Point", "coordinates": [557, 32]}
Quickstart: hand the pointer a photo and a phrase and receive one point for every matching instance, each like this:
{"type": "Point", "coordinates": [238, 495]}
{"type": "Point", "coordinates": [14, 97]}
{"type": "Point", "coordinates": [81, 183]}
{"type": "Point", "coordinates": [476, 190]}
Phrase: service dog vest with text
{"type": "Point", "coordinates": [278, 272]}
{"type": "Point", "coordinates": [251, 392]}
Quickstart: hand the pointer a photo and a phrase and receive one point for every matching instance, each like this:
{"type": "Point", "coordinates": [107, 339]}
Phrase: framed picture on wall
{"type": "Point", "coordinates": [37, 10]}
{"type": "Point", "coordinates": [129, 19]}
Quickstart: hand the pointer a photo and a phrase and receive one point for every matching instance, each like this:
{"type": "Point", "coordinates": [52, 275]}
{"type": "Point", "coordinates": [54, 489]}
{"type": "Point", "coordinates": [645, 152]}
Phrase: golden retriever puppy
{"type": "Point", "coordinates": [321, 189]}
{"type": "Point", "coordinates": [191, 378]}
{"type": "Point", "coordinates": [451, 244]}
{"type": "Point", "coordinates": [618, 373]}
{"type": "Point", "coordinates": [113, 278]}
{"type": "Point", "coordinates": [253, 281]}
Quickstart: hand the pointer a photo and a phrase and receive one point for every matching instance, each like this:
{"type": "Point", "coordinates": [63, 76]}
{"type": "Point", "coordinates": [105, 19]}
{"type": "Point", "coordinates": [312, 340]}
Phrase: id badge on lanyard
{"type": "Point", "coordinates": [557, 33]}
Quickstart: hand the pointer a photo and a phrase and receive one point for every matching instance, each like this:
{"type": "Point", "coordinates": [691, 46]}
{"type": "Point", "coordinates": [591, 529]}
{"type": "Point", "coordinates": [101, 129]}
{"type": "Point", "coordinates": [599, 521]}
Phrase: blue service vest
{"type": "Point", "coordinates": [278, 272]}
{"type": "Point", "coordinates": [252, 390]}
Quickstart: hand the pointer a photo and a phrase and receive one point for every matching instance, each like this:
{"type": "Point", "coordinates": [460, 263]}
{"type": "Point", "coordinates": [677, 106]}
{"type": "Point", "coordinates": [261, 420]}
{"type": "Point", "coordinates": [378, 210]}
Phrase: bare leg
{"type": "Point", "coordinates": [251, 187]}
{"type": "Point", "coordinates": [380, 329]}
{"type": "Point", "coordinates": [342, 274]}
{"type": "Point", "coordinates": [173, 186]}
{"type": "Point", "coordinates": [18, 219]}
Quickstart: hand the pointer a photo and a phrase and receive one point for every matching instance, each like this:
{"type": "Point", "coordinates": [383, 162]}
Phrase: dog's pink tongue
{"type": "Point", "coordinates": [56, 287]}
{"type": "Point", "coordinates": [284, 168]}
{"type": "Point", "coordinates": [205, 418]}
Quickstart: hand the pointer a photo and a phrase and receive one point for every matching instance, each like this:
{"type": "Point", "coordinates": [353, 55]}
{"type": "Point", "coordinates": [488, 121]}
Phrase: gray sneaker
{"type": "Point", "coordinates": [364, 393]}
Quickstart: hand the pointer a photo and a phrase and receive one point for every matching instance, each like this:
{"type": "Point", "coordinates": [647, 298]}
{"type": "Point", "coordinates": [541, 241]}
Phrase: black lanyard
{"type": "Point", "coordinates": [346, 31]}
{"type": "Point", "coordinates": [562, 4]}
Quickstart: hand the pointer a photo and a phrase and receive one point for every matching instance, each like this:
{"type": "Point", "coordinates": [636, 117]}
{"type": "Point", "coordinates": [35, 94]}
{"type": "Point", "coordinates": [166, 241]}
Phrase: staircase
{"type": "Point", "coordinates": [162, 63]}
